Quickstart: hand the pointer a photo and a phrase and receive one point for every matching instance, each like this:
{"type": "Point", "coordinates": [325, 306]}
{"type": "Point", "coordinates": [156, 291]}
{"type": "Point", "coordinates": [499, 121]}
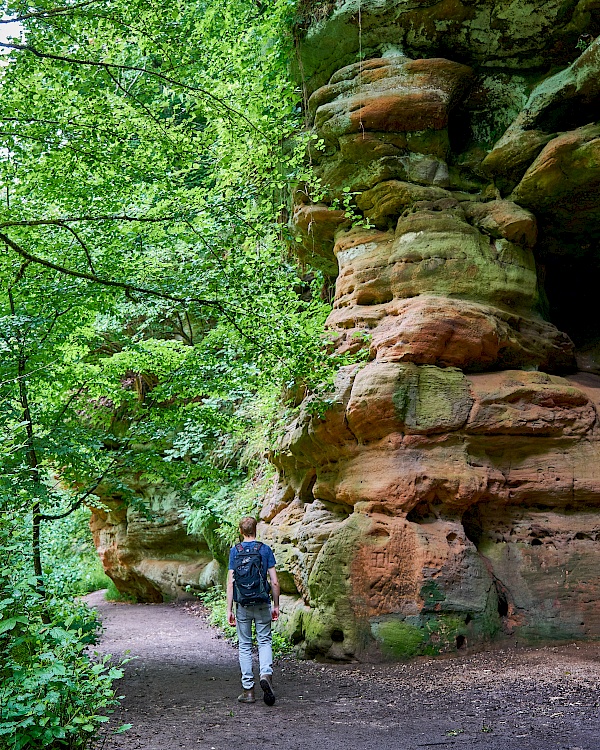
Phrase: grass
{"type": "Point", "coordinates": [114, 595]}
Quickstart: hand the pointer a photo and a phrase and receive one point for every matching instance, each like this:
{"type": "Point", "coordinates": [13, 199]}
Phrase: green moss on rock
{"type": "Point", "coordinates": [399, 640]}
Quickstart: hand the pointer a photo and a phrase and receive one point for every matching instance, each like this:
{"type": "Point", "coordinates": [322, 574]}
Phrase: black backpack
{"type": "Point", "coordinates": [249, 585]}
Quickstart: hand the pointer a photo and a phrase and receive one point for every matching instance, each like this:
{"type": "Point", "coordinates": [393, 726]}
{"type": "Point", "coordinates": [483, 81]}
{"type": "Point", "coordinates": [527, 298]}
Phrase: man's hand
{"type": "Point", "coordinates": [231, 617]}
{"type": "Point", "coordinates": [275, 613]}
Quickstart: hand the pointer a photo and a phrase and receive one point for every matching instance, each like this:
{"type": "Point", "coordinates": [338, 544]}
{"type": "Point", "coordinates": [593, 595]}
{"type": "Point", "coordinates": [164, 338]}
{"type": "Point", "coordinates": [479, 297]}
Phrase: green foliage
{"type": "Point", "coordinates": [114, 595]}
{"type": "Point", "coordinates": [70, 562]}
{"type": "Point", "coordinates": [52, 693]}
{"type": "Point", "coordinates": [149, 311]}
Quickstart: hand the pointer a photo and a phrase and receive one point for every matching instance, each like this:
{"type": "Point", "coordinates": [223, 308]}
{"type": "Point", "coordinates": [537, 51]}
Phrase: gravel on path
{"type": "Point", "coordinates": [181, 692]}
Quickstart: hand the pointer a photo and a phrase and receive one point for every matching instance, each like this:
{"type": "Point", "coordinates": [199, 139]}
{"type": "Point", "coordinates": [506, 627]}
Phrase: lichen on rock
{"type": "Point", "coordinates": [416, 515]}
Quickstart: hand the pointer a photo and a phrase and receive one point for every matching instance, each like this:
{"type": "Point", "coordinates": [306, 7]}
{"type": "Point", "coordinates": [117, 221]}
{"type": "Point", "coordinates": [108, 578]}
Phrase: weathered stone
{"type": "Point", "coordinates": [433, 252]}
{"type": "Point", "coordinates": [503, 219]}
{"type": "Point", "coordinates": [389, 398]}
{"type": "Point", "coordinates": [431, 488]}
{"type": "Point", "coordinates": [314, 227]}
{"type": "Point", "coordinates": [561, 102]}
{"type": "Point", "coordinates": [394, 94]}
{"type": "Point", "coordinates": [563, 183]}
{"type": "Point", "coordinates": [513, 402]}
{"type": "Point", "coordinates": [483, 32]}
{"type": "Point", "coordinates": [151, 556]}
{"type": "Point", "coordinates": [439, 331]}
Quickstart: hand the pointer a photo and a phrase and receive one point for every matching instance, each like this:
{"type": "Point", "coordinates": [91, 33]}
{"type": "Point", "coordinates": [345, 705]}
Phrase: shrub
{"type": "Point", "coordinates": [53, 693]}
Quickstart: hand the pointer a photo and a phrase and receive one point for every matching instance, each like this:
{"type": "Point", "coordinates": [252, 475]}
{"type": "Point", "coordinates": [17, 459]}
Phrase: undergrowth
{"type": "Point", "coordinates": [114, 595]}
{"type": "Point", "coordinates": [53, 692]}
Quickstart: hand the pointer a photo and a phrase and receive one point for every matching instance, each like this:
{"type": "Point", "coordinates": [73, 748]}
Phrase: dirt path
{"type": "Point", "coordinates": [181, 693]}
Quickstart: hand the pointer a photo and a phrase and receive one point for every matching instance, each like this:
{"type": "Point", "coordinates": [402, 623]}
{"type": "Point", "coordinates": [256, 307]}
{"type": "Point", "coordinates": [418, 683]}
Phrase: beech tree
{"type": "Point", "coordinates": [147, 300]}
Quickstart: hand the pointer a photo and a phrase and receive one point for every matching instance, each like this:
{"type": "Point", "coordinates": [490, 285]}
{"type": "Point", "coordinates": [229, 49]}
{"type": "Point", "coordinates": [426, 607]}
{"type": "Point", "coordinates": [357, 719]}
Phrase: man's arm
{"type": "Point", "coordinates": [275, 591]}
{"type": "Point", "coordinates": [230, 613]}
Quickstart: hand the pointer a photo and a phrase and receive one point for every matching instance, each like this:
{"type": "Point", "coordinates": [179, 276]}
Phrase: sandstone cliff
{"type": "Point", "coordinates": [448, 491]}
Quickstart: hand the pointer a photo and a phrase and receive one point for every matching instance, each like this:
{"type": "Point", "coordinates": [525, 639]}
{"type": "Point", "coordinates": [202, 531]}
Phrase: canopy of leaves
{"type": "Point", "coordinates": [147, 295]}
{"type": "Point", "coordinates": [150, 315]}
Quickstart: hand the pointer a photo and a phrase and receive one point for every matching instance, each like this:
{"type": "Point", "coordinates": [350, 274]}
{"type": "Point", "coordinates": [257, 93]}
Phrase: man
{"type": "Point", "coordinates": [259, 611]}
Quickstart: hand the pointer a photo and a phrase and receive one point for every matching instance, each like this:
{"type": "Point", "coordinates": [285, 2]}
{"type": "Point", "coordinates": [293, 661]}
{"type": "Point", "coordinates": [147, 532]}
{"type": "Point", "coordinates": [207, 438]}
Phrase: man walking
{"type": "Point", "coordinates": [251, 570]}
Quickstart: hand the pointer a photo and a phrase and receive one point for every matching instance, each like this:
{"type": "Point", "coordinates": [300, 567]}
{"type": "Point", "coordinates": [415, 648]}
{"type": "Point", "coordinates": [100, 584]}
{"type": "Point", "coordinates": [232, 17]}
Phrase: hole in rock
{"type": "Point", "coordinates": [451, 537]}
{"type": "Point", "coordinates": [502, 601]}
{"type": "Point", "coordinates": [566, 114]}
{"type": "Point", "coordinates": [581, 535]}
{"type": "Point", "coordinates": [536, 542]}
{"type": "Point", "coordinates": [421, 513]}
{"type": "Point", "coordinates": [468, 619]}
{"type": "Point", "coordinates": [472, 525]}
{"type": "Point", "coordinates": [369, 297]}
{"type": "Point", "coordinates": [306, 493]}
{"type": "Point", "coordinates": [380, 534]}
{"type": "Point", "coordinates": [337, 636]}
{"type": "Point", "coordinates": [461, 641]}
{"type": "Point", "coordinates": [571, 280]}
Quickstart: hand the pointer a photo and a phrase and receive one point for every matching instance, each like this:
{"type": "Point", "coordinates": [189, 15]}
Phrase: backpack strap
{"type": "Point", "coordinates": [257, 546]}
{"type": "Point", "coordinates": [239, 548]}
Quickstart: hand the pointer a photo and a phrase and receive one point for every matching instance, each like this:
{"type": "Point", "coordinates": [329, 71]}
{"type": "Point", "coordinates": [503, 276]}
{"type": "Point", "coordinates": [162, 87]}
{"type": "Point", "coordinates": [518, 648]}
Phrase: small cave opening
{"type": "Point", "coordinates": [536, 542]}
{"type": "Point", "coordinates": [569, 274]}
{"type": "Point", "coordinates": [473, 525]}
{"type": "Point", "coordinates": [306, 493]}
{"type": "Point", "coordinates": [421, 513]}
{"type": "Point", "coordinates": [502, 600]}
{"type": "Point", "coordinates": [337, 636]}
{"type": "Point", "coordinates": [564, 114]}
{"type": "Point", "coordinates": [461, 642]}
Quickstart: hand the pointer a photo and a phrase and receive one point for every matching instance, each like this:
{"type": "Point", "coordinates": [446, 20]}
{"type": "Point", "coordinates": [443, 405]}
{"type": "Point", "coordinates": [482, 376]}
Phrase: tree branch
{"type": "Point", "coordinates": [79, 502]}
{"type": "Point", "coordinates": [83, 245]}
{"type": "Point", "coordinates": [106, 282]}
{"type": "Point", "coordinates": [61, 221]}
{"type": "Point", "coordinates": [116, 66]}
{"type": "Point", "coordinates": [49, 12]}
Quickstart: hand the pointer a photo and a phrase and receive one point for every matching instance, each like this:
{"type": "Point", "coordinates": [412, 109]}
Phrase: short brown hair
{"type": "Point", "coordinates": [248, 526]}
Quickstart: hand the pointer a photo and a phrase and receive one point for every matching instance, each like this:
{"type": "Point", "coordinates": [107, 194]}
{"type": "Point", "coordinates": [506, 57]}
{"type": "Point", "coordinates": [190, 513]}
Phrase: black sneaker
{"type": "Point", "coordinates": [266, 683]}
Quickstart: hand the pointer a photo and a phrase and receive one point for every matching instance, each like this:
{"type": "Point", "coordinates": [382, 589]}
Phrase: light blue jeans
{"type": "Point", "coordinates": [244, 616]}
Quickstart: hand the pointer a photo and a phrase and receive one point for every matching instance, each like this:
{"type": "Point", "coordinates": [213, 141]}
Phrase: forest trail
{"type": "Point", "coordinates": [181, 690]}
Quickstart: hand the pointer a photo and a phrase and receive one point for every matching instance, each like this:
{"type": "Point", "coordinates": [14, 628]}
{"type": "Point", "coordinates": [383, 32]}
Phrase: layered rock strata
{"type": "Point", "coordinates": [145, 548]}
{"type": "Point", "coordinates": [447, 492]}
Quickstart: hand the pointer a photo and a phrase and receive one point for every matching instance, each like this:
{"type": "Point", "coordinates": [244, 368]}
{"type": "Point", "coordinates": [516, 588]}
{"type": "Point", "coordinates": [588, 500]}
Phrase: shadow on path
{"type": "Point", "coordinates": [181, 690]}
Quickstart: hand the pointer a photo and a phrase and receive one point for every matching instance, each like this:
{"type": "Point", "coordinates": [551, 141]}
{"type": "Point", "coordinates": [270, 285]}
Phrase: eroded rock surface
{"type": "Point", "coordinates": [447, 493]}
{"type": "Point", "coordinates": [147, 551]}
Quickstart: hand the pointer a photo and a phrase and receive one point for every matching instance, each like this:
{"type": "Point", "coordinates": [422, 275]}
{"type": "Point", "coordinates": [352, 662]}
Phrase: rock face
{"type": "Point", "coordinates": [149, 555]}
{"type": "Point", "coordinates": [448, 491]}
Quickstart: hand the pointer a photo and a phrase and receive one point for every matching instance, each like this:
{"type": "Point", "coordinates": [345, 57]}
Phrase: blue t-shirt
{"type": "Point", "coordinates": [266, 555]}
